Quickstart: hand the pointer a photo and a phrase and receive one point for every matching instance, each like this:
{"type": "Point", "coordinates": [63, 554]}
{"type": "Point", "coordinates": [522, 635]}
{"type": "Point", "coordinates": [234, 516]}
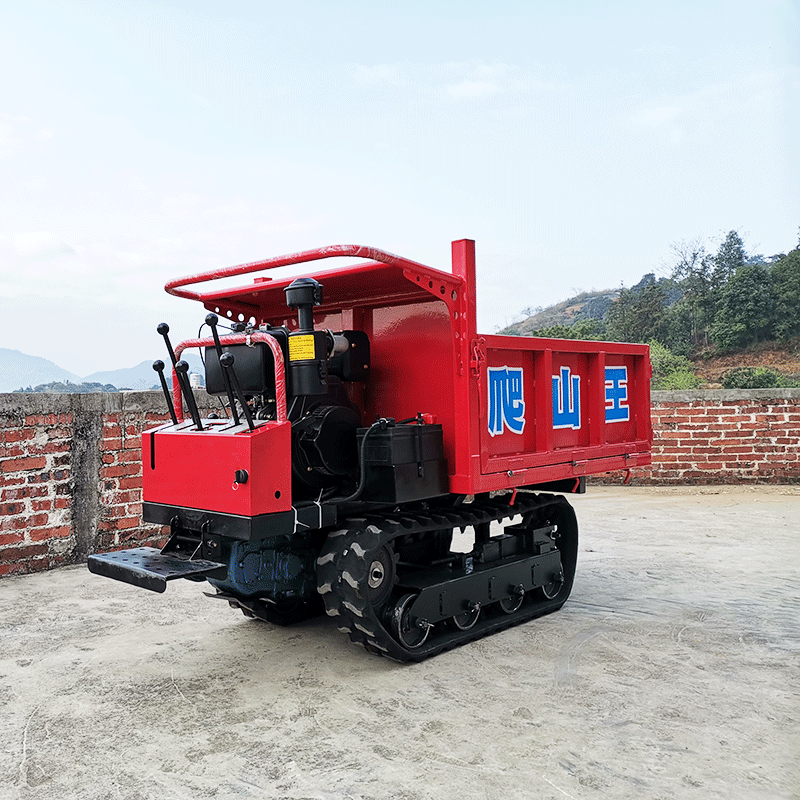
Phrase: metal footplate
{"type": "Point", "coordinates": [149, 568]}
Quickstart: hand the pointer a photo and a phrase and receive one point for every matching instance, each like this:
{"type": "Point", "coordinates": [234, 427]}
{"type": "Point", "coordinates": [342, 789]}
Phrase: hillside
{"type": "Point", "coordinates": [20, 370]}
{"type": "Point", "coordinates": [781, 357]}
{"type": "Point", "coordinates": [141, 376]}
{"type": "Point", "coordinates": [587, 305]}
{"type": "Point", "coordinates": [772, 355]}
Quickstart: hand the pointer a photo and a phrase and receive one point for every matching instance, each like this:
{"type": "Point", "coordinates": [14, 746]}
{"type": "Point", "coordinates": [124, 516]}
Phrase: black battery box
{"type": "Point", "coordinates": [404, 463]}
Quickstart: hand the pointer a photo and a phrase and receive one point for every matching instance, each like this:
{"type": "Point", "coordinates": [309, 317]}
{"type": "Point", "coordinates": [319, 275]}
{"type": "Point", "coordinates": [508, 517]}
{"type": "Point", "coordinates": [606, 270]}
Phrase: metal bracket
{"type": "Point", "coordinates": [478, 355]}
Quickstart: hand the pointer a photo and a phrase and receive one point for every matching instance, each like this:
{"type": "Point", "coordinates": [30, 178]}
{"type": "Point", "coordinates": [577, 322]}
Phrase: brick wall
{"type": "Point", "coordinates": [70, 476]}
{"type": "Point", "coordinates": [719, 436]}
{"type": "Point", "coordinates": [70, 465]}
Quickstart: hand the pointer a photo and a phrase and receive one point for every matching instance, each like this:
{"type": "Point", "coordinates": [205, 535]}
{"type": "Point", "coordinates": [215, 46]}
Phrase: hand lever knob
{"type": "Point", "coordinates": [158, 366]}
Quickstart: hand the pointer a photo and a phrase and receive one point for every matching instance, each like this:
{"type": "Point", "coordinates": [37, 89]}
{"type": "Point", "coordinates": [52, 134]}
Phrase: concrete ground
{"type": "Point", "coordinates": [672, 672]}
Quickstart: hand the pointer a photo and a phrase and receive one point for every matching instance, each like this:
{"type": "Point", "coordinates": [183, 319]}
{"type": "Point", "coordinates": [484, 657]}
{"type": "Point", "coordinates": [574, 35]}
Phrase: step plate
{"type": "Point", "coordinates": [148, 568]}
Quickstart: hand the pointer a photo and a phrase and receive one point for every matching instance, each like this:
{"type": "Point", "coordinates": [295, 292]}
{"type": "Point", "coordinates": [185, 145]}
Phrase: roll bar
{"type": "Point", "coordinates": [332, 251]}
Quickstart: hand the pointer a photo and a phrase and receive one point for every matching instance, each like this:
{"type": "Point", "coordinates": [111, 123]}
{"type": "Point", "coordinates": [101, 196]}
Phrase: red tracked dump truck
{"type": "Point", "coordinates": [363, 420]}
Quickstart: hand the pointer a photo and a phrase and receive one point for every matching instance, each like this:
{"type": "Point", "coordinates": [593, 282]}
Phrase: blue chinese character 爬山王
{"type": "Point", "coordinates": [566, 400]}
{"type": "Point", "coordinates": [506, 400]}
{"type": "Point", "coordinates": [616, 395]}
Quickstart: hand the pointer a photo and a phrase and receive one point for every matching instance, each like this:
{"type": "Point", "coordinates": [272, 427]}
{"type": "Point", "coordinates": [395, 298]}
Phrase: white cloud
{"type": "Point", "coordinates": [473, 89]}
{"type": "Point", "coordinates": [17, 130]}
{"type": "Point", "coordinates": [380, 74]}
{"type": "Point", "coordinates": [458, 79]}
{"type": "Point", "coordinates": [38, 245]}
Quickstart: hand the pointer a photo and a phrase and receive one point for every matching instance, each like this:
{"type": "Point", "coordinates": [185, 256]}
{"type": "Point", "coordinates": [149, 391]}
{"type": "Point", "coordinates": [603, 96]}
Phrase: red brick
{"type": "Point", "coordinates": [21, 553]}
{"type": "Point", "coordinates": [130, 496]}
{"type": "Point", "coordinates": [18, 435]}
{"type": "Point", "coordinates": [118, 471]}
{"type": "Point", "coordinates": [14, 523]}
{"type": "Point", "coordinates": [131, 483]}
{"type": "Point", "coordinates": [42, 534]}
{"type": "Point", "coordinates": [54, 447]}
{"type": "Point", "coordinates": [11, 538]}
{"type": "Point", "coordinates": [37, 419]}
{"type": "Point", "coordinates": [24, 464]}
{"type": "Point", "coordinates": [111, 444]}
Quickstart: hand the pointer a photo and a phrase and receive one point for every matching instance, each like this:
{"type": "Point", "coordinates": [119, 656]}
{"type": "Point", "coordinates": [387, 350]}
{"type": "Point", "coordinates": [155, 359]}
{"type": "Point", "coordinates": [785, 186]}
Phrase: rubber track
{"type": "Point", "coordinates": [347, 553]}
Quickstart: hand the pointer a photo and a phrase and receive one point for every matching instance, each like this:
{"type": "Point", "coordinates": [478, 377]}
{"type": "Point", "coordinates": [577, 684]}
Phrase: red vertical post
{"type": "Point", "coordinates": [542, 374]}
{"type": "Point", "coordinates": [596, 398]}
{"type": "Point", "coordinates": [641, 408]}
{"type": "Point", "coordinates": [467, 362]}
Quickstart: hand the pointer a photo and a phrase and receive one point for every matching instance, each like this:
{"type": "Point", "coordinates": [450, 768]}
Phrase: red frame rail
{"type": "Point", "coordinates": [236, 338]}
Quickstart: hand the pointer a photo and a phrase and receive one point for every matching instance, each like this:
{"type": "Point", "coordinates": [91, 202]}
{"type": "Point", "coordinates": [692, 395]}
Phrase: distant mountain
{"type": "Point", "coordinates": [587, 305]}
{"type": "Point", "coordinates": [19, 371]}
{"type": "Point", "coordinates": [142, 376]}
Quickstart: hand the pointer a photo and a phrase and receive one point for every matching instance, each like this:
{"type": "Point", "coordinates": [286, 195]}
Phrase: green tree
{"type": "Point", "coordinates": [751, 378]}
{"type": "Point", "coordinates": [693, 313]}
{"type": "Point", "coordinates": [746, 308]}
{"type": "Point", "coordinates": [640, 313]}
{"type": "Point", "coordinates": [587, 329]}
{"type": "Point", "coordinates": [786, 289]}
{"type": "Point", "coordinates": [671, 371]}
{"type": "Point", "coordinates": [730, 257]}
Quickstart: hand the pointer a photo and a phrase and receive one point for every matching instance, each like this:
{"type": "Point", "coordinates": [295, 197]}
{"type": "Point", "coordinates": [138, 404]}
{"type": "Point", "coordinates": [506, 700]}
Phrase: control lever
{"type": "Point", "coordinates": [158, 366]}
{"type": "Point", "coordinates": [227, 360]}
{"type": "Point", "coordinates": [182, 368]}
{"type": "Point", "coordinates": [183, 377]}
{"type": "Point", "coordinates": [211, 321]}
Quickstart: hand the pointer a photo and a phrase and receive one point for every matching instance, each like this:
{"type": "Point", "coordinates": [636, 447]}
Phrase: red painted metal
{"type": "Point", "coordinates": [182, 466]}
{"type": "Point", "coordinates": [426, 356]}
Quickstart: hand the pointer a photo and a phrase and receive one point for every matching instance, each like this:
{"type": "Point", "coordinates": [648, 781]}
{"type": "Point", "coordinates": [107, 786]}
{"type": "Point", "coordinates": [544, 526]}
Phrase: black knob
{"type": "Point", "coordinates": [158, 366]}
{"type": "Point", "coordinates": [163, 328]}
{"type": "Point", "coordinates": [241, 476]}
{"type": "Point", "coordinates": [182, 366]}
{"type": "Point", "coordinates": [212, 320]}
{"type": "Point", "coordinates": [227, 360]}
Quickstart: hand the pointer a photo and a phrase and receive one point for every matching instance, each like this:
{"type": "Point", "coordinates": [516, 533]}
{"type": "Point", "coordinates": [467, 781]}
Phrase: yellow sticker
{"type": "Point", "coordinates": [301, 348]}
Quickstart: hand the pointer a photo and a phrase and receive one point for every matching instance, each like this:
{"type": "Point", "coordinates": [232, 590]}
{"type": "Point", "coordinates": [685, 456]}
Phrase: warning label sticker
{"type": "Point", "coordinates": [301, 348]}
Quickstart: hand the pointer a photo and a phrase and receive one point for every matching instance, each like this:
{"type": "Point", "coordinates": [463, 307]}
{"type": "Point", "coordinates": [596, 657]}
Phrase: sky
{"type": "Point", "coordinates": [576, 142]}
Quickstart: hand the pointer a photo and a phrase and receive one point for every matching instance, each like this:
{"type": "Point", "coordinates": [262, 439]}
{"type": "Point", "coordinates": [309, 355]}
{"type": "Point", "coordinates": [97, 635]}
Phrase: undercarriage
{"type": "Point", "coordinates": [394, 585]}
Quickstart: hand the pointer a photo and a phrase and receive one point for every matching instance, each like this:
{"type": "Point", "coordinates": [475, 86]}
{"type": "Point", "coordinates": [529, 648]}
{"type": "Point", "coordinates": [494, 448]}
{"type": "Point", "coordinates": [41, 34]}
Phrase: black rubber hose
{"type": "Point", "coordinates": [362, 481]}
